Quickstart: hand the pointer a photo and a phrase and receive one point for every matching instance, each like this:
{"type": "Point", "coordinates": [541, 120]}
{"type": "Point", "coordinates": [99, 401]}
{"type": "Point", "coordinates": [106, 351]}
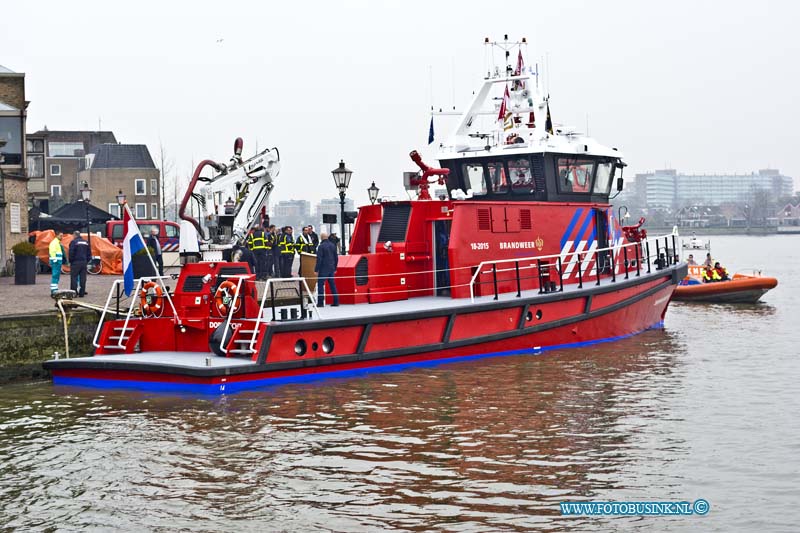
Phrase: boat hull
{"type": "Point", "coordinates": [741, 289]}
{"type": "Point", "coordinates": [393, 342]}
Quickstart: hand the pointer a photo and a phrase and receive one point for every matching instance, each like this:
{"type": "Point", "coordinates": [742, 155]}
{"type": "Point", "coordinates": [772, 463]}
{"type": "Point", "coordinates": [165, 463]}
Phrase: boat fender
{"type": "Point", "coordinates": [151, 299]}
{"type": "Point", "coordinates": [215, 342]}
{"type": "Point", "coordinates": [224, 298]}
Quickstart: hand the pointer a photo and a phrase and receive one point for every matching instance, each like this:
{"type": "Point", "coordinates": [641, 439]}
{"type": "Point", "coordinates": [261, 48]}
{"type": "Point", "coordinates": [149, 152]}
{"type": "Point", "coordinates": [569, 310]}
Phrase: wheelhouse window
{"type": "Point", "coordinates": [473, 178]}
{"type": "Point", "coordinates": [602, 181]}
{"type": "Point", "coordinates": [521, 176]}
{"type": "Point", "coordinates": [497, 176]}
{"type": "Point", "coordinates": [575, 175]}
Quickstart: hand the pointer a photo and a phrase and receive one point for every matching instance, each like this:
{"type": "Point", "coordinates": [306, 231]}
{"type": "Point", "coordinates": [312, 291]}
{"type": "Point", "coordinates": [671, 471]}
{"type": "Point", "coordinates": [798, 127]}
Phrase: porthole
{"type": "Point", "coordinates": [327, 345]}
{"type": "Point", "coordinates": [529, 317]}
{"type": "Point", "coordinates": [538, 314]}
{"type": "Point", "coordinates": [314, 346]}
{"type": "Point", "coordinates": [300, 347]}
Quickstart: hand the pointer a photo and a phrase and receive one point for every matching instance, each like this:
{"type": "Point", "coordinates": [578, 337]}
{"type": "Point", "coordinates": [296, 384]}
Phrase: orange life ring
{"type": "Point", "coordinates": [224, 298]}
{"type": "Point", "coordinates": [151, 298]}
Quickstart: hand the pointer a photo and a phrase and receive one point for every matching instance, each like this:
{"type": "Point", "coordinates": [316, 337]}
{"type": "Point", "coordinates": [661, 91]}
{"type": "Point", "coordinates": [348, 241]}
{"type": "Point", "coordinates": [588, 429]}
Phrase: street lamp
{"type": "Point", "coordinates": [86, 195]}
{"type": "Point", "coordinates": [121, 199]}
{"type": "Point", "coordinates": [341, 177]}
{"type": "Point", "coordinates": [373, 191]}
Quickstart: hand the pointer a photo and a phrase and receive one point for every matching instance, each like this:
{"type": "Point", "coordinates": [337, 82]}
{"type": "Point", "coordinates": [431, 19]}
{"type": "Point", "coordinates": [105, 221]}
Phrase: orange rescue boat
{"type": "Point", "coordinates": [742, 288]}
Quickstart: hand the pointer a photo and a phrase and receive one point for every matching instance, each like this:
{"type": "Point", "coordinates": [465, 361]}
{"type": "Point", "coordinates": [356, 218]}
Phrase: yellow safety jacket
{"type": "Point", "coordinates": [259, 242]}
{"type": "Point", "coordinates": [270, 241]}
{"type": "Point", "coordinates": [286, 244]}
{"type": "Point", "coordinates": [56, 251]}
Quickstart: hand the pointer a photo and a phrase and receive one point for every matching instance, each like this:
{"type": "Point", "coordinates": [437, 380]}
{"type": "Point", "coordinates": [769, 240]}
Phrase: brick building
{"type": "Point", "coordinates": [13, 181]}
{"type": "Point", "coordinates": [54, 158]}
{"type": "Point", "coordinates": [110, 168]}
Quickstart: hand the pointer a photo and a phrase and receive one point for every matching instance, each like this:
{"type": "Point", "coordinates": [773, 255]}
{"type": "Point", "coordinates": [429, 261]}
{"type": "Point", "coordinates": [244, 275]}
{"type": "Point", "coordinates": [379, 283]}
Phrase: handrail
{"type": "Point", "coordinates": [232, 310]}
{"type": "Point", "coordinates": [103, 314]}
{"type": "Point", "coordinates": [614, 265]}
{"type": "Point", "coordinates": [264, 300]}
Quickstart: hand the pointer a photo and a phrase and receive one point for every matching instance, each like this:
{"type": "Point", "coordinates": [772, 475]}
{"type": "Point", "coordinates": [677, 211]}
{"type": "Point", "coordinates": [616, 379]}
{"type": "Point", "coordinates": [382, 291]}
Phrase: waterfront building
{"type": "Point", "coordinates": [53, 161]}
{"type": "Point", "coordinates": [13, 179]}
{"type": "Point", "coordinates": [667, 189]}
{"type": "Point", "coordinates": [110, 168]}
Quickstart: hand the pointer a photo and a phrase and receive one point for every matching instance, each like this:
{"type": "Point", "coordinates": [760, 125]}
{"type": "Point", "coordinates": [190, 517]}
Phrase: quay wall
{"type": "Point", "coordinates": [26, 341]}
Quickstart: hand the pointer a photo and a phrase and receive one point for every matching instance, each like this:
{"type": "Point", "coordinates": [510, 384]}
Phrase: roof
{"type": "Point", "coordinates": [6, 70]}
{"type": "Point", "coordinates": [121, 156]}
{"type": "Point", "coordinates": [89, 138]}
{"type": "Point", "coordinates": [6, 107]}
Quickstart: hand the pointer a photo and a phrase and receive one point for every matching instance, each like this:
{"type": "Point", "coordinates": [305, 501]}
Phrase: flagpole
{"type": "Point", "coordinates": [153, 264]}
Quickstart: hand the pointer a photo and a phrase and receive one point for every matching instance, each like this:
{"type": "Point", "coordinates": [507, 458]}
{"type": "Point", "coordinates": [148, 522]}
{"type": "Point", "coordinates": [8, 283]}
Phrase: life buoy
{"type": "Point", "coordinates": [224, 298]}
{"type": "Point", "coordinates": [152, 299]}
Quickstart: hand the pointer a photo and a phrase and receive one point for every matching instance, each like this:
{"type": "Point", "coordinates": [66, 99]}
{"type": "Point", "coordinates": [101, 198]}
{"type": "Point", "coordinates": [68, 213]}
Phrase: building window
{"type": "Point", "coordinates": [55, 170]}
{"type": "Point", "coordinates": [34, 166]}
{"type": "Point", "coordinates": [55, 191]}
{"type": "Point", "coordinates": [141, 211]}
{"type": "Point", "coordinates": [35, 146]}
{"type": "Point", "coordinates": [65, 149]}
{"type": "Point", "coordinates": [140, 188]}
{"type": "Point", "coordinates": [153, 187]}
{"type": "Point", "coordinates": [114, 209]}
{"type": "Point", "coordinates": [11, 132]}
{"type": "Point", "coordinates": [154, 211]}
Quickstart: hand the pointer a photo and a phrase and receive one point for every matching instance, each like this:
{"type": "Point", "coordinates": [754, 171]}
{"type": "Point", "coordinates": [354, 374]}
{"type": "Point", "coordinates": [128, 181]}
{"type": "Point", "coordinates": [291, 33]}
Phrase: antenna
{"type": "Point", "coordinates": [453, 64]}
{"type": "Point", "coordinates": [430, 73]}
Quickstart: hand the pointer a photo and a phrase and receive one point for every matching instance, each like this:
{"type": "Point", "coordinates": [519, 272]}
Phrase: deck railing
{"type": "Point", "coordinates": [606, 263]}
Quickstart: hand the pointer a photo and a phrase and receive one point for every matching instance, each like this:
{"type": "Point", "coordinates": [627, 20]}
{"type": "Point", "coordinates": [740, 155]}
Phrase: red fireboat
{"type": "Point", "coordinates": [518, 251]}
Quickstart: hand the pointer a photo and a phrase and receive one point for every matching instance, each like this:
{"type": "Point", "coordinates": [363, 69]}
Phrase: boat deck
{"type": "Point", "coordinates": [173, 359]}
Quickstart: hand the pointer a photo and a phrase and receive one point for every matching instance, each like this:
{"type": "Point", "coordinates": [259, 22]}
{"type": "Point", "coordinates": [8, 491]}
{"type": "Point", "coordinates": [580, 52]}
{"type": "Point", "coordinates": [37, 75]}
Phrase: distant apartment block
{"type": "Point", "coordinates": [669, 190]}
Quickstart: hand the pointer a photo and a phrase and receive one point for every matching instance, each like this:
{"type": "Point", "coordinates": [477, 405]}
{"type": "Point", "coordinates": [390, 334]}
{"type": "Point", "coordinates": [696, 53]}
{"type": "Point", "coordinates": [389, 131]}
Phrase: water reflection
{"type": "Point", "coordinates": [489, 444]}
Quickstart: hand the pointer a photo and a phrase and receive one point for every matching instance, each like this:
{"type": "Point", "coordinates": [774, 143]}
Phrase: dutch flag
{"type": "Point", "coordinates": [133, 243]}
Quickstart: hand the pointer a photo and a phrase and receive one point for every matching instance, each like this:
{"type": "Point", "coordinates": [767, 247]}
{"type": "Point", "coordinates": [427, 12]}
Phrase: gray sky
{"type": "Point", "coordinates": [698, 86]}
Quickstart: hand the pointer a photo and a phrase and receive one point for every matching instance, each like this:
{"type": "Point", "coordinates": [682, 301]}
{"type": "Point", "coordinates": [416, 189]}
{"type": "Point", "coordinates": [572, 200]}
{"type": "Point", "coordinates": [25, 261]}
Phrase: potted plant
{"type": "Point", "coordinates": [24, 263]}
{"type": "Point", "coordinates": [142, 265]}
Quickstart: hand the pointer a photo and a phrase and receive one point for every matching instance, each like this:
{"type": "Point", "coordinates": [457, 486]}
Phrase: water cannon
{"type": "Point", "coordinates": [423, 182]}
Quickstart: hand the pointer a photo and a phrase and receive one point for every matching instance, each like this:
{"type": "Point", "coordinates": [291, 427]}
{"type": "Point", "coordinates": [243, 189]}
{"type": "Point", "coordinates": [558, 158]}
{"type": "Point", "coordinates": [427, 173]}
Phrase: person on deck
{"type": "Point", "coordinates": [327, 261]}
{"type": "Point", "coordinates": [79, 257]}
{"type": "Point", "coordinates": [721, 272]}
{"type": "Point", "coordinates": [286, 245]}
{"type": "Point", "coordinates": [708, 262]}
{"type": "Point", "coordinates": [56, 259]}
{"type": "Point", "coordinates": [691, 261]}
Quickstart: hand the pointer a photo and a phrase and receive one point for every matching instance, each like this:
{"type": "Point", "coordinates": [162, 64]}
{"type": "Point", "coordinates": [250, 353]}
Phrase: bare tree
{"type": "Point", "coordinates": [167, 168]}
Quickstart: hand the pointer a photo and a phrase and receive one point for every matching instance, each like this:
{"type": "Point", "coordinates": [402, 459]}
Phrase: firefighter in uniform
{"type": "Point", "coordinates": [276, 253]}
{"type": "Point", "coordinates": [260, 252]}
{"type": "Point", "coordinates": [269, 239]}
{"type": "Point", "coordinates": [286, 246]}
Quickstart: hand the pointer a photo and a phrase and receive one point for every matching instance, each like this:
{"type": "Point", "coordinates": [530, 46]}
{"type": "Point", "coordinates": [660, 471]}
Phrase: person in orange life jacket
{"type": "Point", "coordinates": [327, 261]}
{"type": "Point", "coordinates": [79, 257]}
{"type": "Point", "coordinates": [155, 244]}
{"type": "Point", "coordinates": [286, 245]}
{"type": "Point", "coordinates": [721, 272]}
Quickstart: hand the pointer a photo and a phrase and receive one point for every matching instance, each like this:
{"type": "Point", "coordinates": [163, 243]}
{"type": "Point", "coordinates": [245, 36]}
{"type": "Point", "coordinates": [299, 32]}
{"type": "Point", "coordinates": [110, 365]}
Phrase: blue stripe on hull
{"type": "Point", "coordinates": [226, 388]}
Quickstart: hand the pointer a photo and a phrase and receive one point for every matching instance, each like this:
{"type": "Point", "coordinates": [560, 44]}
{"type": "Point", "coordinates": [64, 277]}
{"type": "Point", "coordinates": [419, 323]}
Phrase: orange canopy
{"type": "Point", "coordinates": [110, 255]}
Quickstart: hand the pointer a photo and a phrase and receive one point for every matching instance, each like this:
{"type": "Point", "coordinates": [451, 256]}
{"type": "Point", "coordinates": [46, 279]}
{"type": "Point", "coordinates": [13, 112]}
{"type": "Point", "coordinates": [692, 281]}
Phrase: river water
{"type": "Point", "coordinates": [704, 408]}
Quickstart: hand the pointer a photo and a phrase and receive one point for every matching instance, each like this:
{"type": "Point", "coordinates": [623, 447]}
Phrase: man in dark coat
{"type": "Point", "coordinates": [79, 257]}
{"type": "Point", "coordinates": [155, 244]}
{"type": "Point", "coordinates": [327, 261]}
